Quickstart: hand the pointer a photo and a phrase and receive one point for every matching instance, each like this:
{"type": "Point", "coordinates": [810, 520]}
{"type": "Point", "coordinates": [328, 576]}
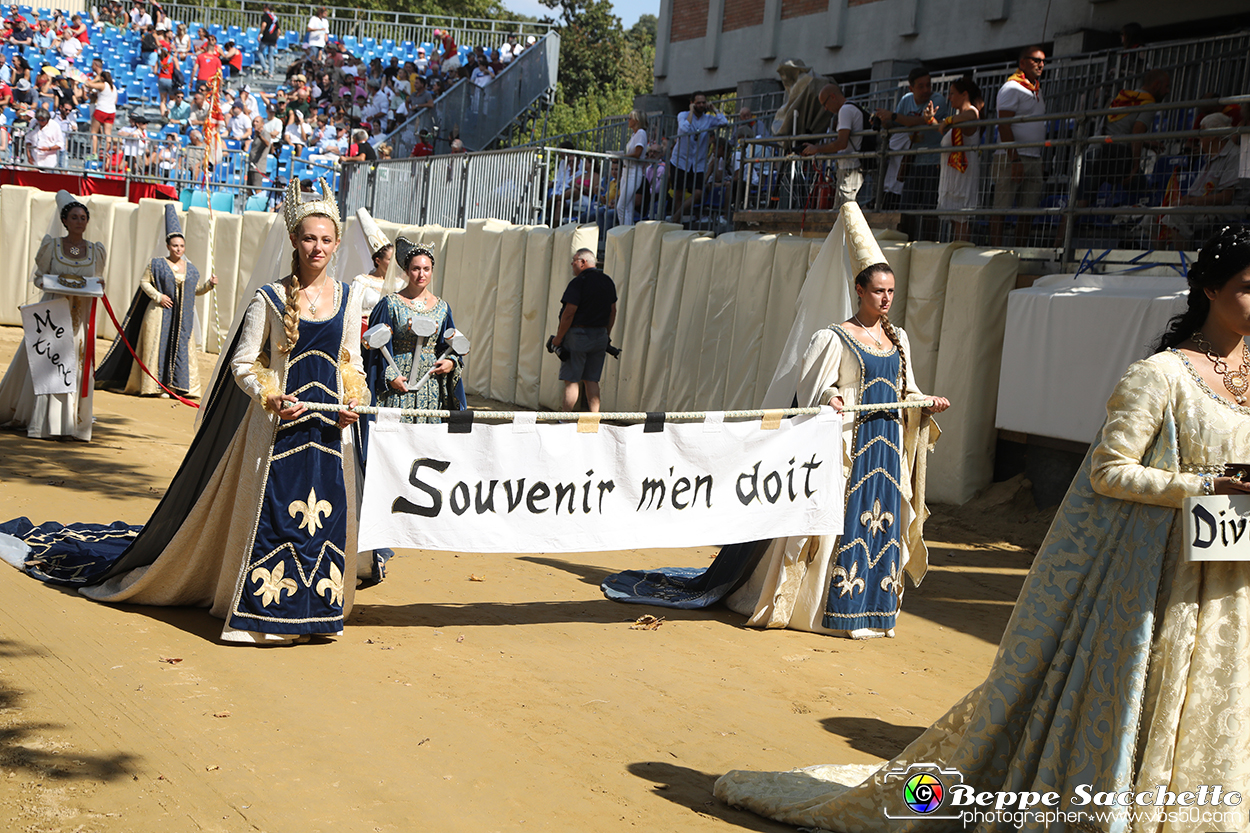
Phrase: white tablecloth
{"type": "Point", "coordinates": [1070, 340]}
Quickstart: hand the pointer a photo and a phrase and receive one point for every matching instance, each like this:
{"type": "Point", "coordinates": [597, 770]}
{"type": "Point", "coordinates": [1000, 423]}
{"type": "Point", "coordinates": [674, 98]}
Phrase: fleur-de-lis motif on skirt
{"type": "Point", "coordinates": [312, 510]}
{"type": "Point", "coordinates": [876, 520]}
{"type": "Point", "coordinates": [848, 582]}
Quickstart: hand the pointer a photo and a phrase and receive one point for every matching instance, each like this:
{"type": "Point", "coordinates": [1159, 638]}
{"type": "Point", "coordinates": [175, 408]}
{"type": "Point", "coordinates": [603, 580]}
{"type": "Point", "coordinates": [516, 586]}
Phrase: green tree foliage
{"type": "Point", "coordinates": [602, 67]}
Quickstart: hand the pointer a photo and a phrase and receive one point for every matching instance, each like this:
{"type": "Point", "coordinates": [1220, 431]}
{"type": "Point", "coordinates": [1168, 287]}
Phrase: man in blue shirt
{"type": "Point", "coordinates": [922, 108]}
{"type": "Point", "coordinates": [688, 163]}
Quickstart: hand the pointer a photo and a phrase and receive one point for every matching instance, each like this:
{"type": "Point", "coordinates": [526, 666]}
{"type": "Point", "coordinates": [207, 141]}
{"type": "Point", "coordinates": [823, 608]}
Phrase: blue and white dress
{"type": "Point", "coordinates": [259, 522]}
{"type": "Point", "coordinates": [849, 585]}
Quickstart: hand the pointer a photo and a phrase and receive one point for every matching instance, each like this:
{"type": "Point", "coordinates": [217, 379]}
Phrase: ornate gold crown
{"type": "Point", "coordinates": [294, 209]}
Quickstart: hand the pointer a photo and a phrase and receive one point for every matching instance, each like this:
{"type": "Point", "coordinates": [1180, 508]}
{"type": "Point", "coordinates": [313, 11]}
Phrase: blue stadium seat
{"type": "Point", "coordinates": [199, 199]}
{"type": "Point", "coordinates": [257, 202]}
{"type": "Point", "coordinates": [223, 201]}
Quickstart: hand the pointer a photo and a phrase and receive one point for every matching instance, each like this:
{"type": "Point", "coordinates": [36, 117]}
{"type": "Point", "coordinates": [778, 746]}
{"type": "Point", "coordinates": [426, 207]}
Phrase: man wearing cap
{"type": "Point", "coordinates": [587, 313]}
{"type": "Point", "coordinates": [44, 141]}
{"type": "Point", "coordinates": [159, 325]}
{"type": "Point", "coordinates": [422, 62]}
{"type": "Point", "coordinates": [1215, 185]}
{"type": "Point", "coordinates": [249, 103]}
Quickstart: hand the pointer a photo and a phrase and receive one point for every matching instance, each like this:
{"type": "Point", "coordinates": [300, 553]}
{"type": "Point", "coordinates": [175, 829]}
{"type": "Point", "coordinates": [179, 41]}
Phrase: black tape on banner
{"type": "Point", "coordinates": [460, 422]}
{"type": "Point", "coordinates": [655, 422]}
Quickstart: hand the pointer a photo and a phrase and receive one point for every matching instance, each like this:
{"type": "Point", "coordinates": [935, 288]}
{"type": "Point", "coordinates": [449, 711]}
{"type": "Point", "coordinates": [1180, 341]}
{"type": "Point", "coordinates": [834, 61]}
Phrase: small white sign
{"type": "Point", "coordinates": [1217, 528]}
{"type": "Point", "coordinates": [49, 338]}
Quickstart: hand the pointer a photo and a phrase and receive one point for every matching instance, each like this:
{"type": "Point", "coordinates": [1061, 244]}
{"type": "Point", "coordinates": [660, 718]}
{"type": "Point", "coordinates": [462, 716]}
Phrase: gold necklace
{"type": "Point", "coordinates": [1236, 381]}
{"type": "Point", "coordinates": [312, 305]}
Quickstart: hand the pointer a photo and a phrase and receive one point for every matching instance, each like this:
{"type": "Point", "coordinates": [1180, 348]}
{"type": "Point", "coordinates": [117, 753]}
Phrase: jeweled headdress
{"type": "Point", "coordinates": [295, 209]}
{"type": "Point", "coordinates": [406, 250]}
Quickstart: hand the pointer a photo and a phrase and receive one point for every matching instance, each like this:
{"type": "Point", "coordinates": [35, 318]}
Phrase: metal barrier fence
{"type": "Point", "coordinates": [520, 185]}
{"type": "Point", "coordinates": [1160, 189]}
{"type": "Point", "coordinates": [478, 115]}
{"type": "Point", "coordinates": [360, 23]}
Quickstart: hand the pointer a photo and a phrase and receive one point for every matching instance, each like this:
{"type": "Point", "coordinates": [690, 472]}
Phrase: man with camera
{"type": "Point", "coordinates": [587, 313]}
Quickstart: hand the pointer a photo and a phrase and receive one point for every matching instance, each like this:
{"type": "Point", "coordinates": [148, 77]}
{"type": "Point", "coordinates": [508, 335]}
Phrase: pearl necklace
{"type": "Point", "coordinates": [1236, 381]}
{"type": "Point", "coordinates": [416, 303]}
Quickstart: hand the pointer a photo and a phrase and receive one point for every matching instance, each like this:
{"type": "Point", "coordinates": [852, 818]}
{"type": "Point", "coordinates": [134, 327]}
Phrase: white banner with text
{"type": "Point", "coordinates": [49, 336]}
{"type": "Point", "coordinates": [523, 487]}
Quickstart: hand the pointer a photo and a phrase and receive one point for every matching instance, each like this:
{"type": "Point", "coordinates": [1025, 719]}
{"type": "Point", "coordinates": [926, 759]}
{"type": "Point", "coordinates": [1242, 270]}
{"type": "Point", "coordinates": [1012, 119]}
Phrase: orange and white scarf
{"type": "Point", "coordinates": [1023, 80]}
{"type": "Point", "coordinates": [1129, 98]}
{"type": "Point", "coordinates": [957, 159]}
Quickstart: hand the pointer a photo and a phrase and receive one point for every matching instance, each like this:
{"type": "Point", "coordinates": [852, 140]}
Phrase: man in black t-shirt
{"type": "Point", "coordinates": [269, 31]}
{"type": "Point", "coordinates": [587, 314]}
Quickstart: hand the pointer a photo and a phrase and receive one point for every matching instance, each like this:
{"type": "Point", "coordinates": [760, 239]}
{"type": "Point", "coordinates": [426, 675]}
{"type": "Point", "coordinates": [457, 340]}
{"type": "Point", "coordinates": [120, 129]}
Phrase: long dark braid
{"type": "Point", "coordinates": [1224, 255]}
{"type": "Point", "coordinates": [862, 279]}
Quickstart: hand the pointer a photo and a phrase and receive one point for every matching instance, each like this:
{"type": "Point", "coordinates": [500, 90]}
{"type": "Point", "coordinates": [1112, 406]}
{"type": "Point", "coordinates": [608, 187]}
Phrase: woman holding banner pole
{"type": "Point", "coordinates": [1122, 669]}
{"type": "Point", "coordinates": [849, 585]}
{"type": "Point", "coordinates": [50, 416]}
{"type": "Point", "coordinates": [259, 523]}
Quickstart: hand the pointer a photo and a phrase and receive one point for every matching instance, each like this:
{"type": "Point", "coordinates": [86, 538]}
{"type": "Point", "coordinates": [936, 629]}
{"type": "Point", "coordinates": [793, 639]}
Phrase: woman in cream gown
{"type": "Point", "coordinates": [1123, 668]}
{"type": "Point", "coordinates": [50, 416]}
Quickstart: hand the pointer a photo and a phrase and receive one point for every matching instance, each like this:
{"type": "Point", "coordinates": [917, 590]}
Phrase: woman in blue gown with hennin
{"type": "Point", "coordinates": [259, 523]}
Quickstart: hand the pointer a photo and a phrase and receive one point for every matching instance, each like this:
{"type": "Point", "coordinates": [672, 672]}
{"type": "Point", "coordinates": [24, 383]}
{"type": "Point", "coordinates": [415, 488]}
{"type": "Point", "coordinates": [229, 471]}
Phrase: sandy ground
{"type": "Point", "coordinates": [520, 702]}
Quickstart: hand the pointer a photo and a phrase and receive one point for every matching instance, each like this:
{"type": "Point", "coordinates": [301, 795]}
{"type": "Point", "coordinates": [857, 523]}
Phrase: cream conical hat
{"type": "Point", "coordinates": [373, 234]}
{"type": "Point", "coordinates": [860, 243]}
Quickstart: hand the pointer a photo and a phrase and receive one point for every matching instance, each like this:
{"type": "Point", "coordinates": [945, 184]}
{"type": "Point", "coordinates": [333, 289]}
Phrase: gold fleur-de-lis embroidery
{"type": "Point", "coordinates": [332, 586]}
{"type": "Point", "coordinates": [272, 584]}
{"type": "Point", "coordinates": [849, 581]}
{"type": "Point", "coordinates": [312, 509]}
{"type": "Point", "coordinates": [876, 520]}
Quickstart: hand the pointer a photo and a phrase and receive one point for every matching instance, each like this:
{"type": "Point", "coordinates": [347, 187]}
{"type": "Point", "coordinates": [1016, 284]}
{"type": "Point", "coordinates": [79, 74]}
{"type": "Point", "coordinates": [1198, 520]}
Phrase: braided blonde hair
{"type": "Point", "coordinates": [290, 314]}
{"type": "Point", "coordinates": [862, 279]}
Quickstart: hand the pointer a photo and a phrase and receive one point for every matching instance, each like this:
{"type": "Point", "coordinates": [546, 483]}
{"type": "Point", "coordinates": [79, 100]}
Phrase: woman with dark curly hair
{"type": "Point", "coordinates": [50, 416]}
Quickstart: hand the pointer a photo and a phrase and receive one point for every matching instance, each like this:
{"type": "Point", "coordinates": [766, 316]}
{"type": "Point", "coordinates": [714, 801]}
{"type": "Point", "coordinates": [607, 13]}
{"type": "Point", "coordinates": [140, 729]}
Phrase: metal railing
{"type": "Point", "coordinates": [519, 185]}
{"type": "Point", "coordinates": [478, 115]}
{"type": "Point", "coordinates": [1092, 195]}
{"type": "Point", "coordinates": [360, 23]}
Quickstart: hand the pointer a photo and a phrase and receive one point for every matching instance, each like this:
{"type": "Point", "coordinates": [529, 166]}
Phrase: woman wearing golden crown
{"type": "Point", "coordinates": [259, 523]}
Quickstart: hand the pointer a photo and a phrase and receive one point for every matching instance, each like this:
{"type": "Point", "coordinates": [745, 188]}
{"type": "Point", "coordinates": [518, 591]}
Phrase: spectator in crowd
{"type": "Point", "coordinates": [165, 64]}
{"type": "Point", "coordinates": [422, 62]}
{"type": "Point", "coordinates": [24, 93]}
{"type": "Point", "coordinates": [269, 31]}
{"type": "Point", "coordinates": [508, 51]}
{"type": "Point", "coordinates": [180, 44]}
{"type": "Point", "coordinates": [45, 91]}
{"type": "Point", "coordinates": [71, 49]}
{"type": "Point", "coordinates": [449, 57]}
{"type": "Point", "coordinates": [207, 64]}
{"type": "Point", "coordinates": [134, 142]}
{"type": "Point", "coordinates": [78, 30]}
{"type": "Point", "coordinates": [231, 61]}
{"type": "Point", "coordinates": [1215, 185]}
{"type": "Point", "coordinates": [848, 119]}
{"type": "Point", "coordinates": [6, 70]}
{"type": "Point", "coordinates": [360, 150]}
{"type": "Point", "coordinates": [482, 75]}
{"type": "Point", "coordinates": [959, 177]}
{"type": "Point", "coordinates": [200, 110]}
{"type": "Point", "coordinates": [587, 313]}
{"type": "Point", "coordinates": [258, 154]}
{"type": "Point", "coordinates": [105, 112]}
{"type": "Point", "coordinates": [423, 147]}
{"type": "Point", "coordinates": [318, 33]}
{"type": "Point", "coordinates": [239, 126]}
{"type": "Point", "coordinates": [251, 106]}
{"type": "Point", "coordinates": [1118, 164]}
{"type": "Point", "coordinates": [140, 20]}
{"type": "Point", "coordinates": [44, 141]}
{"type": "Point", "coordinates": [1131, 36]}
{"type": "Point", "coordinates": [148, 47]}
{"type": "Point", "coordinates": [420, 98]}
{"type": "Point", "coordinates": [1017, 172]}
{"type": "Point", "coordinates": [569, 196]}
{"type": "Point", "coordinates": [22, 36]}
{"type": "Point", "coordinates": [689, 160]}
{"type": "Point", "coordinates": [457, 147]}
{"type": "Point", "coordinates": [919, 107]}
{"type": "Point", "coordinates": [161, 23]}
{"type": "Point", "coordinates": [631, 180]}
{"type": "Point", "coordinates": [67, 118]}
{"type": "Point", "coordinates": [179, 111]}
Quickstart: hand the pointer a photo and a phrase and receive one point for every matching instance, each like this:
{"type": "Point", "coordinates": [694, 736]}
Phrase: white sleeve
{"type": "Point", "coordinates": [252, 335]}
{"type": "Point", "coordinates": [1008, 99]}
{"type": "Point", "coordinates": [819, 369]}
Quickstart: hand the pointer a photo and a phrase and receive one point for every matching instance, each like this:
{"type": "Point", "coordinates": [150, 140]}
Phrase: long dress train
{"type": "Point", "coordinates": [1122, 669]}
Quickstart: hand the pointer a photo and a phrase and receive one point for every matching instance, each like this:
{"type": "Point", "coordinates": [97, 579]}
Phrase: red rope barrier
{"type": "Point", "coordinates": [122, 334]}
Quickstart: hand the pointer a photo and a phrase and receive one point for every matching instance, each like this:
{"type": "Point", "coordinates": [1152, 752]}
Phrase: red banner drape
{"type": "Point", "coordinates": [86, 185]}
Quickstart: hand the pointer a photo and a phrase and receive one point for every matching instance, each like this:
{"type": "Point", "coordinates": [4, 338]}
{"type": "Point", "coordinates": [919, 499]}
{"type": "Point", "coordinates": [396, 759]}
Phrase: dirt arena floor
{"type": "Point", "coordinates": [523, 701]}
